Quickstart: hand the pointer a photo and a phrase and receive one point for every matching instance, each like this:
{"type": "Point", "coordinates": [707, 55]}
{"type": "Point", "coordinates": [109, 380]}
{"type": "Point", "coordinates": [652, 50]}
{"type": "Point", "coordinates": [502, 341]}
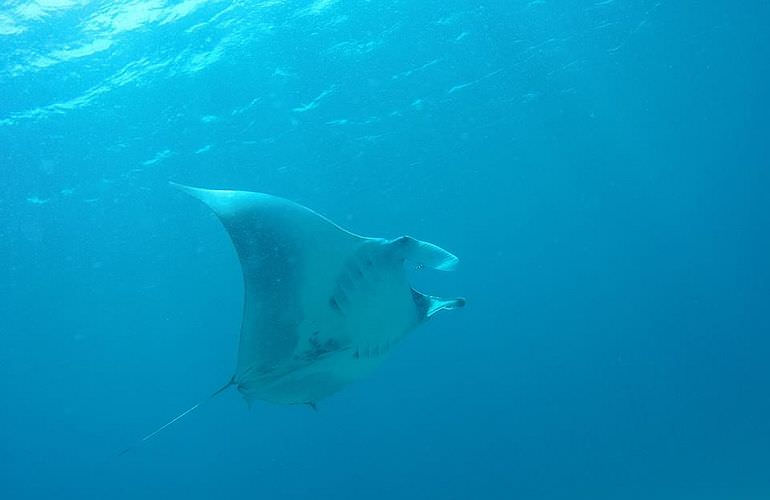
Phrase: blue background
{"type": "Point", "coordinates": [602, 169]}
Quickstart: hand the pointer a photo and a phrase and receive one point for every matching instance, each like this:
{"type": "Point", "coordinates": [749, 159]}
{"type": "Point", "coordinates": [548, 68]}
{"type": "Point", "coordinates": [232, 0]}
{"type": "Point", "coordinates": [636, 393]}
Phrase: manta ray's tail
{"type": "Point", "coordinates": [171, 422]}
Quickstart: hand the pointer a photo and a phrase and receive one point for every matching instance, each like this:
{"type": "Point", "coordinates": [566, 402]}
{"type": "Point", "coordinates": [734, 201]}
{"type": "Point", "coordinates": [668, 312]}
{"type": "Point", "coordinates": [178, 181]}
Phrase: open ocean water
{"type": "Point", "coordinates": [601, 168]}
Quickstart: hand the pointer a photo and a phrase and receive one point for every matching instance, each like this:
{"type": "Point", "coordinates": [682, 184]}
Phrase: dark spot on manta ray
{"type": "Point", "coordinates": [318, 348]}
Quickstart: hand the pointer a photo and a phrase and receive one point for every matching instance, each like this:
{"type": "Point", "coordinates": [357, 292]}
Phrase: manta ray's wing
{"type": "Point", "coordinates": [289, 257]}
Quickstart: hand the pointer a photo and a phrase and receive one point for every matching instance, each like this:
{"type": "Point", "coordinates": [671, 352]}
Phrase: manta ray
{"type": "Point", "coordinates": [322, 306]}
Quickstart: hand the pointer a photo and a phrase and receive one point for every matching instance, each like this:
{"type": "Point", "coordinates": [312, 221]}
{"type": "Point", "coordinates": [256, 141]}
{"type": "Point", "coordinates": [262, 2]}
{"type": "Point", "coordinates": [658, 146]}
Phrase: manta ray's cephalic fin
{"type": "Point", "coordinates": [424, 253]}
{"type": "Point", "coordinates": [430, 305]}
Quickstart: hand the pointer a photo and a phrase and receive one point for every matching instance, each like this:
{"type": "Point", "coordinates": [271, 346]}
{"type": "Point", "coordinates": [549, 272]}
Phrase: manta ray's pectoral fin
{"type": "Point", "coordinates": [424, 253]}
{"type": "Point", "coordinates": [429, 305]}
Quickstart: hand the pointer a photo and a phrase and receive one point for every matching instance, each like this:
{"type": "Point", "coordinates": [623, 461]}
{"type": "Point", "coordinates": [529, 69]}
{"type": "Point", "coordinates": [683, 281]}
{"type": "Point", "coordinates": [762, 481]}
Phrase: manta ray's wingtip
{"type": "Point", "coordinates": [211, 197]}
{"type": "Point", "coordinates": [224, 202]}
{"type": "Point", "coordinates": [185, 188]}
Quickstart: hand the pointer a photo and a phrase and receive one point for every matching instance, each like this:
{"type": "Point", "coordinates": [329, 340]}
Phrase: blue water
{"type": "Point", "coordinates": [602, 169]}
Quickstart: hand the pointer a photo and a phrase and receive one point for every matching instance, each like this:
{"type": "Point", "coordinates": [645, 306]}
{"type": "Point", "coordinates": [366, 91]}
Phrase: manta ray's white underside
{"type": "Point", "coordinates": [322, 306]}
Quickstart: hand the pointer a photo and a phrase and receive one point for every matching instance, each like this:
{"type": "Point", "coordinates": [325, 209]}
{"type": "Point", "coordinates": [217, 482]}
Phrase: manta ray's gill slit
{"type": "Point", "coordinates": [353, 280]}
{"type": "Point", "coordinates": [372, 351]}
